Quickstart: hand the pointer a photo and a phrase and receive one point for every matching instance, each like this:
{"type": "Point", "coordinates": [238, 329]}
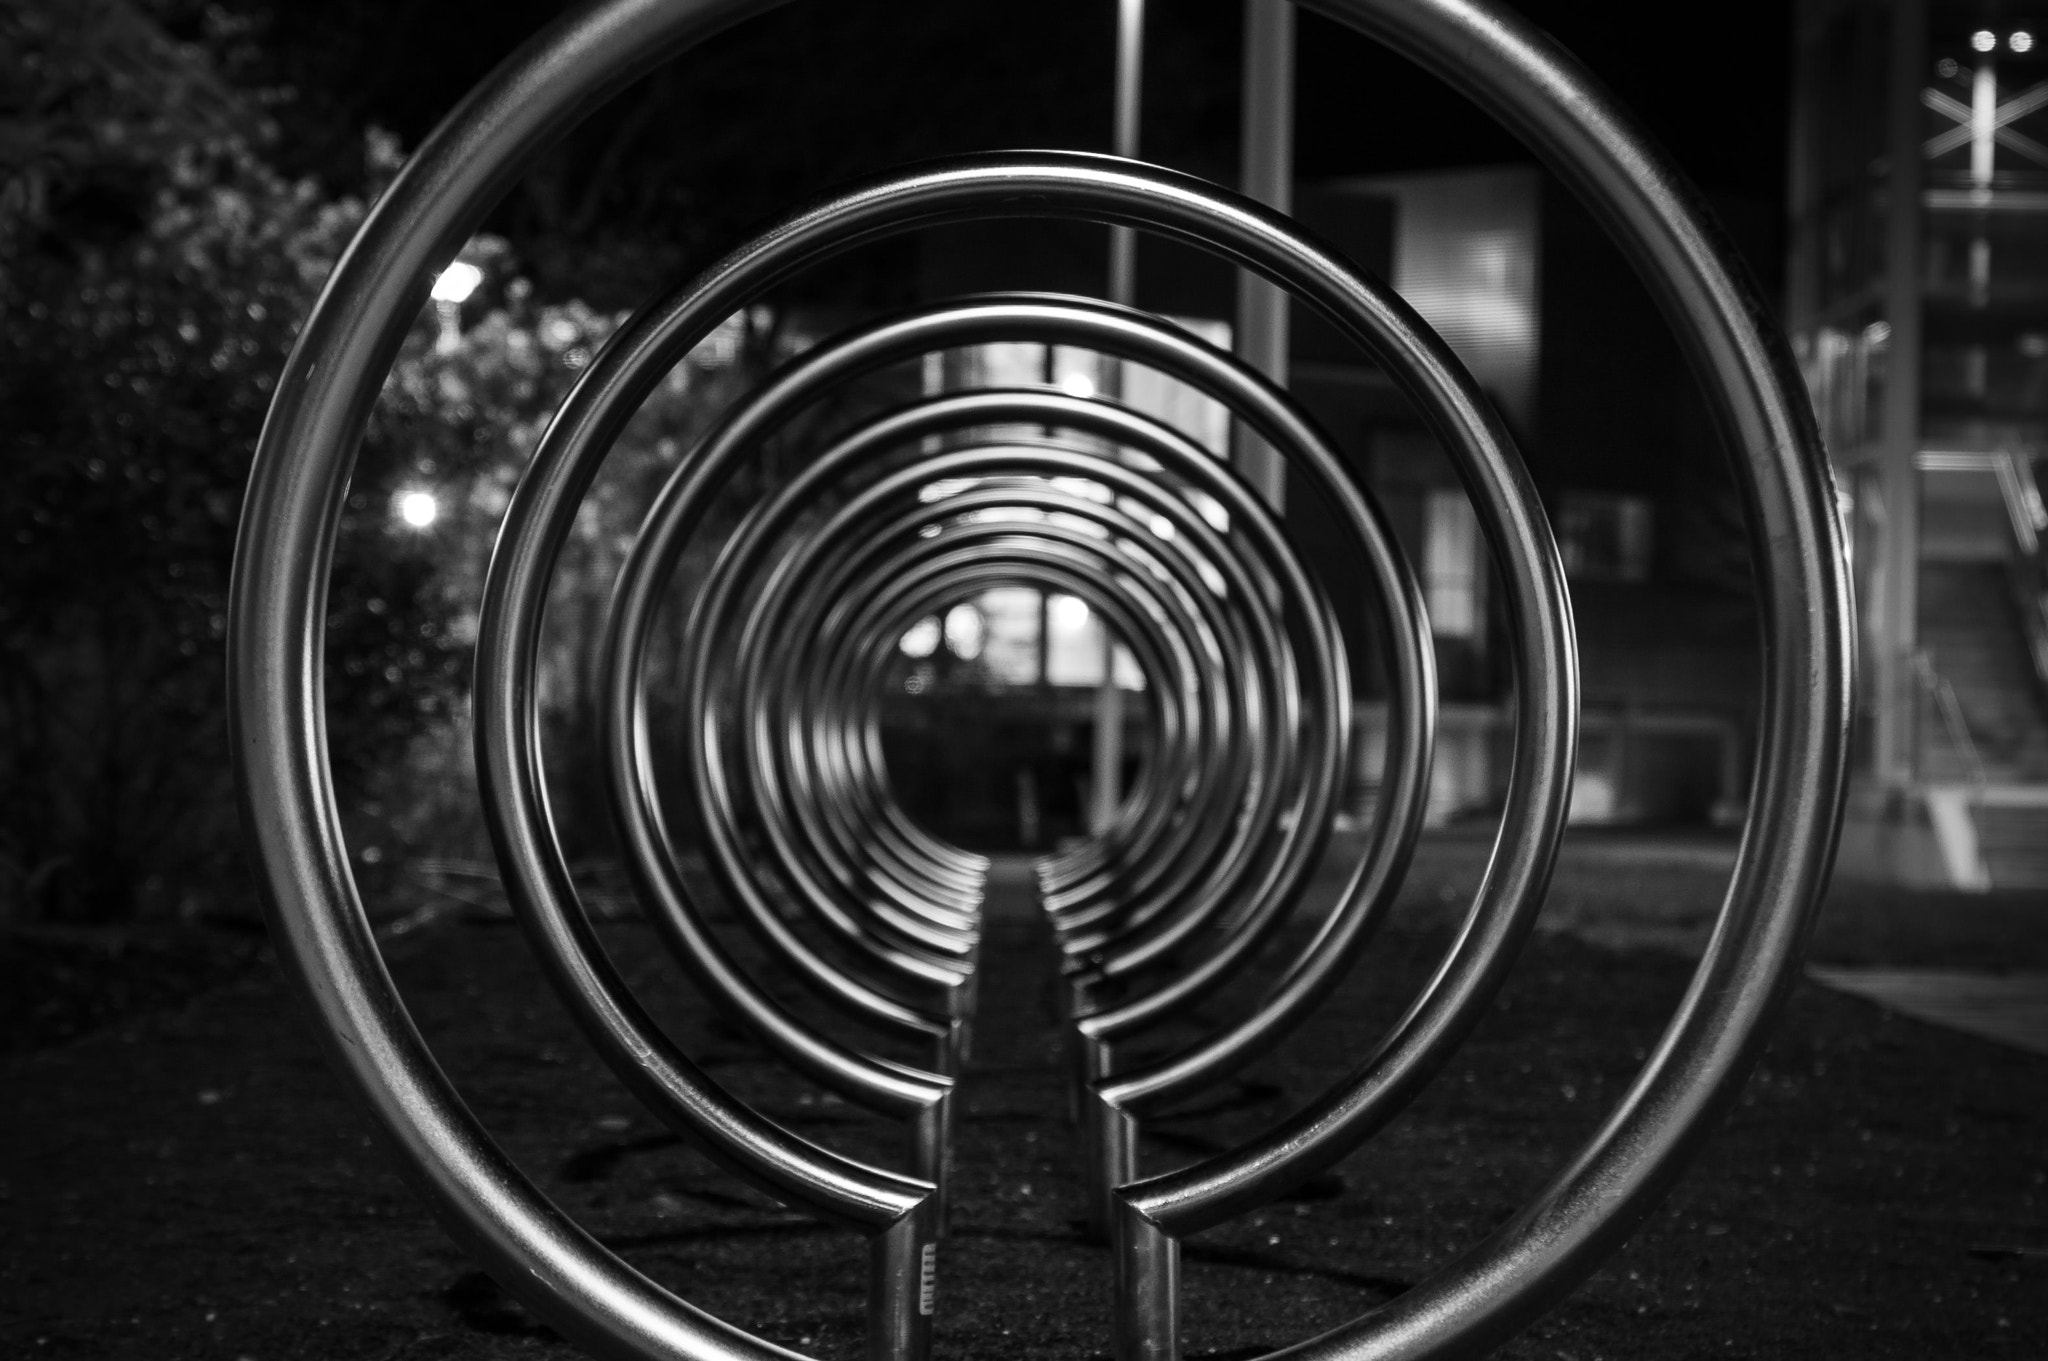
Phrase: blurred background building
{"type": "Point", "coordinates": [1503, 262]}
{"type": "Point", "coordinates": [1882, 164]}
{"type": "Point", "coordinates": [1918, 300]}
{"type": "Point", "coordinates": [1915, 286]}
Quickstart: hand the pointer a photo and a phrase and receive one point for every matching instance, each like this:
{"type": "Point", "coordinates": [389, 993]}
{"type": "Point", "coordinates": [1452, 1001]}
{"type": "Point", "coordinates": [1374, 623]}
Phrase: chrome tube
{"type": "Point", "coordinates": [810, 744]}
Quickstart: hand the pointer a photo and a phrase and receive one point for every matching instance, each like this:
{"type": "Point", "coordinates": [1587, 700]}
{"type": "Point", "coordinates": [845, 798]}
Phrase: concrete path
{"type": "Point", "coordinates": [2006, 1008]}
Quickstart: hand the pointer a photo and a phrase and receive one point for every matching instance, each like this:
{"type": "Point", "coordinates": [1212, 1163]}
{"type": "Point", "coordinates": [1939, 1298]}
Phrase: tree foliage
{"type": "Point", "coordinates": [157, 271]}
{"type": "Point", "coordinates": [157, 268]}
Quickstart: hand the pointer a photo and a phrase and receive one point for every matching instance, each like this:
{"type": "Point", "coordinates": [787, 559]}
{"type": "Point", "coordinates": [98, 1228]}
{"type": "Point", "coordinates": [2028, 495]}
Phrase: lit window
{"type": "Point", "coordinates": [1451, 579]}
{"type": "Point", "coordinates": [1010, 641]}
{"type": "Point", "coordinates": [1073, 644]}
{"type": "Point", "coordinates": [965, 632]}
{"type": "Point", "coordinates": [921, 639]}
{"type": "Point", "coordinates": [1604, 536]}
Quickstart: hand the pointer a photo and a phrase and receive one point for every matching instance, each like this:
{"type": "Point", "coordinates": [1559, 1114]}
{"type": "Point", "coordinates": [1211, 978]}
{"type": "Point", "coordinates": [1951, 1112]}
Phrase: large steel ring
{"type": "Point", "coordinates": [285, 552]}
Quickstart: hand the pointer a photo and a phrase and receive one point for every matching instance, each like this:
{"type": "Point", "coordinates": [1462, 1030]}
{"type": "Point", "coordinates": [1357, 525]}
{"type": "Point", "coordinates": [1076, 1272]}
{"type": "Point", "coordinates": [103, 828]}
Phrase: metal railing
{"type": "Point", "coordinates": [1936, 691]}
{"type": "Point", "coordinates": [2028, 575]}
{"type": "Point", "coordinates": [2026, 519]}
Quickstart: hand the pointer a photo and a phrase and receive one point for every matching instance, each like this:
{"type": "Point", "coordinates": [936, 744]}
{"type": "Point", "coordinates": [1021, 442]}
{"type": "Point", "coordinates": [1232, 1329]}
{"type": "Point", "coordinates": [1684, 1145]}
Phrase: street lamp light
{"type": "Point", "coordinates": [454, 285]}
{"type": "Point", "coordinates": [418, 508]}
{"type": "Point", "coordinates": [457, 282]}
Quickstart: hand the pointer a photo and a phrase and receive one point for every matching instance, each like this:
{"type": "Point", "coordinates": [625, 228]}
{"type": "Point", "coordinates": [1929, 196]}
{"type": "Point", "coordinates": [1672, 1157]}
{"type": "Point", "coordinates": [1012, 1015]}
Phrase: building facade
{"type": "Point", "coordinates": [1572, 349]}
{"type": "Point", "coordinates": [1918, 303]}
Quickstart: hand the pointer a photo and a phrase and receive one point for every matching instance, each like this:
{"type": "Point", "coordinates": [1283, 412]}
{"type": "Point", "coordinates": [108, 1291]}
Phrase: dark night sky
{"type": "Point", "coordinates": [823, 89]}
{"type": "Point", "coordinates": [1712, 85]}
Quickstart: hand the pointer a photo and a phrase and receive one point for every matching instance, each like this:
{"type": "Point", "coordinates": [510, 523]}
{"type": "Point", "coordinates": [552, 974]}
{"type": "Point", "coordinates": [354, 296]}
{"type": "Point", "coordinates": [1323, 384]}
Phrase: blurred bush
{"type": "Point", "coordinates": [465, 406]}
{"type": "Point", "coordinates": [155, 272]}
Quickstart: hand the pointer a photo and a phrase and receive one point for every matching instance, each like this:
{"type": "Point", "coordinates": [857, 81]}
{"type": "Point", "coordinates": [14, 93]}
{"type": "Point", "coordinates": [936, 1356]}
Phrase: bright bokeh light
{"type": "Point", "coordinates": [2021, 42]}
{"type": "Point", "coordinates": [457, 282]}
{"type": "Point", "coordinates": [1983, 40]}
{"type": "Point", "coordinates": [993, 515]}
{"type": "Point", "coordinates": [1083, 487]}
{"type": "Point", "coordinates": [1162, 526]}
{"type": "Point", "coordinates": [1069, 613]}
{"type": "Point", "coordinates": [945, 487]}
{"type": "Point", "coordinates": [1077, 385]}
{"type": "Point", "coordinates": [418, 508]}
{"type": "Point", "coordinates": [921, 639]}
{"type": "Point", "coordinates": [966, 631]}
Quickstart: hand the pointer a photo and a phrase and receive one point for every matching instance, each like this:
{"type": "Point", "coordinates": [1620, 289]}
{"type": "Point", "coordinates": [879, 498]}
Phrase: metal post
{"type": "Point", "coordinates": [902, 1287]}
{"type": "Point", "coordinates": [1106, 788]}
{"type": "Point", "coordinates": [1266, 174]}
{"type": "Point", "coordinates": [1147, 1322]}
{"type": "Point", "coordinates": [1130, 71]}
{"type": "Point", "coordinates": [1900, 602]}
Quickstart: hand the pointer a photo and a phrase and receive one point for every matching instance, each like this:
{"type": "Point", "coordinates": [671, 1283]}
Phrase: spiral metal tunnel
{"type": "Point", "coordinates": [788, 644]}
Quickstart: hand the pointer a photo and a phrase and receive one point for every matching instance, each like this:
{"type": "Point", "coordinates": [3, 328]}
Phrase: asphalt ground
{"type": "Point", "coordinates": [189, 1182]}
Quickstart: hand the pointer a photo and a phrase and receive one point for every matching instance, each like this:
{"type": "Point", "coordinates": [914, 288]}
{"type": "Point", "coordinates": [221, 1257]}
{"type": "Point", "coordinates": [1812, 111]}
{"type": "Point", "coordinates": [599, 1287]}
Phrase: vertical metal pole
{"type": "Point", "coordinates": [931, 1156]}
{"type": "Point", "coordinates": [1147, 1322]}
{"type": "Point", "coordinates": [1983, 156]}
{"type": "Point", "coordinates": [1044, 676]}
{"type": "Point", "coordinates": [1130, 70]}
{"type": "Point", "coordinates": [1983, 119]}
{"type": "Point", "coordinates": [1266, 174]}
{"type": "Point", "coordinates": [1107, 784]}
{"type": "Point", "coordinates": [1107, 790]}
{"type": "Point", "coordinates": [1109, 1136]}
{"type": "Point", "coordinates": [1901, 431]}
{"type": "Point", "coordinates": [903, 1286]}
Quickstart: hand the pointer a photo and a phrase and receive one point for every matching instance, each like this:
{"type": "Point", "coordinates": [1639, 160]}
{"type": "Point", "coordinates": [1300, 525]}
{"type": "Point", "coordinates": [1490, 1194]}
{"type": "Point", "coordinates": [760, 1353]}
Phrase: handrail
{"type": "Point", "coordinates": [1950, 708]}
{"type": "Point", "coordinates": [2027, 515]}
{"type": "Point", "coordinates": [2023, 504]}
{"type": "Point", "coordinates": [2028, 570]}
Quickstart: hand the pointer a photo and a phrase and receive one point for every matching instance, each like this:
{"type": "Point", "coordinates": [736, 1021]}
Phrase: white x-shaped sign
{"type": "Point", "coordinates": [2014, 109]}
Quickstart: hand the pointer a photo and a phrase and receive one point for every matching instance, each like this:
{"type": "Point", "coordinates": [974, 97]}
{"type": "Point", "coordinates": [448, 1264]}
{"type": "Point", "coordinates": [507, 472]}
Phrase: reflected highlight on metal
{"type": "Point", "coordinates": [789, 642]}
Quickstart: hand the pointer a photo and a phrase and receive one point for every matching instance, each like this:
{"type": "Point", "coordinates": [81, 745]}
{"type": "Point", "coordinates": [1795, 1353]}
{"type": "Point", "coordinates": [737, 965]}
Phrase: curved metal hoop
{"type": "Point", "coordinates": [285, 552]}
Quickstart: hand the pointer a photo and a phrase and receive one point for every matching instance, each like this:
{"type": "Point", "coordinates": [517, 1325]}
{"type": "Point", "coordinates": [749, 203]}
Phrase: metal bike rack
{"type": "Point", "coordinates": [789, 641]}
